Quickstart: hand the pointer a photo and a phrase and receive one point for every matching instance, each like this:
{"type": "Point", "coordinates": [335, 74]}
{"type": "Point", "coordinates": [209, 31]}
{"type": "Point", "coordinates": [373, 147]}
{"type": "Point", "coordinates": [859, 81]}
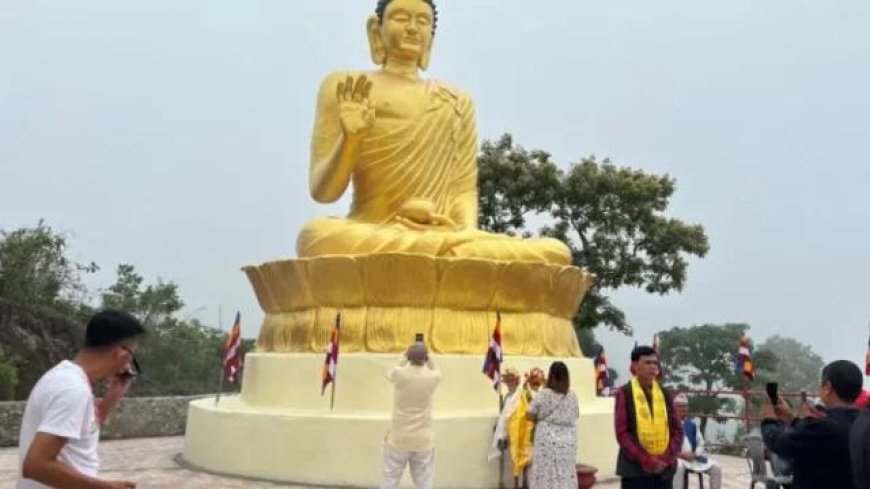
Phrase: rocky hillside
{"type": "Point", "coordinates": [33, 341]}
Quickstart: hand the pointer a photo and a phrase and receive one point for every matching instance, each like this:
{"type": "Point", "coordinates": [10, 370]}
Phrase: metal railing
{"type": "Point", "coordinates": [747, 416]}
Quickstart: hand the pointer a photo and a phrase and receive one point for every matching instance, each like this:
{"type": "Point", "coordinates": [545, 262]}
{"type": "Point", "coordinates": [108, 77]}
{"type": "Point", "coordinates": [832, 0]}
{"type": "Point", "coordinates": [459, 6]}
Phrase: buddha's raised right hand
{"type": "Point", "coordinates": [355, 109]}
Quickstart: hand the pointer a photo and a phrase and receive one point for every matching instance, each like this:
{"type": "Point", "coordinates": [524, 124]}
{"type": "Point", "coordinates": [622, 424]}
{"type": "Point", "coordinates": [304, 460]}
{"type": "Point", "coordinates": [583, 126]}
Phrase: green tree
{"type": "Point", "coordinates": [612, 219]}
{"type": "Point", "coordinates": [513, 184]}
{"type": "Point", "coordinates": [178, 357]}
{"type": "Point", "coordinates": [798, 367]}
{"type": "Point", "coordinates": [8, 378]}
{"type": "Point", "coordinates": [589, 346]}
{"type": "Point", "coordinates": [35, 271]}
{"type": "Point", "coordinates": [153, 304]}
{"type": "Point", "coordinates": [703, 357]}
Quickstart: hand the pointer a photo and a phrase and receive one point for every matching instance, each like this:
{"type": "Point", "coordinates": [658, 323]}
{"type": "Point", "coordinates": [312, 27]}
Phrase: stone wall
{"type": "Point", "coordinates": [10, 421]}
{"type": "Point", "coordinates": [132, 418]}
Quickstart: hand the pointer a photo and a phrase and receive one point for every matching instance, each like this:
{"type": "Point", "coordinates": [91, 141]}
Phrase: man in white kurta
{"type": "Point", "coordinates": [411, 439]}
{"type": "Point", "coordinates": [500, 447]}
{"type": "Point", "coordinates": [693, 456]}
{"type": "Point", "coordinates": [510, 378]}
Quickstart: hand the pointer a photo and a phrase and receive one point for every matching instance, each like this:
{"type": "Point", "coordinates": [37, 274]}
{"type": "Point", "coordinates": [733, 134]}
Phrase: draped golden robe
{"type": "Point", "coordinates": [431, 156]}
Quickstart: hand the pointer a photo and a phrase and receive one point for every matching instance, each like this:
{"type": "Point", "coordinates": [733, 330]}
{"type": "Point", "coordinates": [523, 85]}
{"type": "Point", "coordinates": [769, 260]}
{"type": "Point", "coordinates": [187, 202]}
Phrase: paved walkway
{"type": "Point", "coordinates": [150, 462]}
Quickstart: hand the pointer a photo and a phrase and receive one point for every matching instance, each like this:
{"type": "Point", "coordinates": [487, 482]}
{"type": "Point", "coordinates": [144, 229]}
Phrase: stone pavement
{"type": "Point", "coordinates": [150, 462]}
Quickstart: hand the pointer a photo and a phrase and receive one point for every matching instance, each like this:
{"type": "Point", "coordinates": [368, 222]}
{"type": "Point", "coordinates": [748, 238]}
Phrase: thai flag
{"type": "Point", "coordinates": [331, 363]}
{"type": "Point", "coordinates": [602, 375]}
{"type": "Point", "coordinates": [744, 364]}
{"type": "Point", "coordinates": [232, 355]}
{"type": "Point", "coordinates": [492, 363]}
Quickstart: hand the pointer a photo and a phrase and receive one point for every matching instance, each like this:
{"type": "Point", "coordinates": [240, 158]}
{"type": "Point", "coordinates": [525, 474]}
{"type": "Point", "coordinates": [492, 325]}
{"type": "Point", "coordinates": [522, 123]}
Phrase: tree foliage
{"type": "Point", "coordinates": [8, 377]}
{"type": "Point", "coordinates": [612, 218]}
{"type": "Point", "coordinates": [153, 304]}
{"type": "Point", "coordinates": [703, 357]}
{"type": "Point", "coordinates": [798, 367]}
{"type": "Point", "coordinates": [178, 357]}
{"type": "Point", "coordinates": [35, 270]}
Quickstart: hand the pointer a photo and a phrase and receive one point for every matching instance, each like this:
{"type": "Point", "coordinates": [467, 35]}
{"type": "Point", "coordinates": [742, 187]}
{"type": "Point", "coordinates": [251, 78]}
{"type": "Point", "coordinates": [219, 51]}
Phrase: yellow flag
{"type": "Point", "coordinates": [520, 434]}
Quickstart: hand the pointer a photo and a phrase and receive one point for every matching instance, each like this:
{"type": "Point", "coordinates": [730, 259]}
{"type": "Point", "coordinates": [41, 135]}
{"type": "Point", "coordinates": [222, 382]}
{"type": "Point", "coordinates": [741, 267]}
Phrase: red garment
{"type": "Point", "coordinates": [629, 442]}
{"type": "Point", "coordinates": [862, 399]}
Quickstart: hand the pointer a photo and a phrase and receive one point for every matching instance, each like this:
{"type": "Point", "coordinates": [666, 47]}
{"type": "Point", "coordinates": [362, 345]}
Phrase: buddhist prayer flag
{"type": "Point", "coordinates": [331, 362]}
{"type": "Point", "coordinates": [492, 363]}
{"type": "Point", "coordinates": [232, 354]}
{"type": "Point", "coordinates": [744, 364]}
{"type": "Point", "coordinates": [602, 376]}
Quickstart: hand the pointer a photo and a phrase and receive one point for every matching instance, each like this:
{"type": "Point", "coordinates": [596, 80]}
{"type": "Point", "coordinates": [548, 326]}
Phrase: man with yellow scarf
{"type": "Point", "coordinates": [647, 429]}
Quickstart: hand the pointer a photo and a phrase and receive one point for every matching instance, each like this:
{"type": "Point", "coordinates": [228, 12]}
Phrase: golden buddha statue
{"type": "Point", "coordinates": [410, 147]}
{"type": "Point", "coordinates": [409, 257]}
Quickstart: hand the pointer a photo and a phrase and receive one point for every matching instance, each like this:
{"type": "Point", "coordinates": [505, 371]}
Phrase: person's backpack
{"type": "Point", "coordinates": [859, 449]}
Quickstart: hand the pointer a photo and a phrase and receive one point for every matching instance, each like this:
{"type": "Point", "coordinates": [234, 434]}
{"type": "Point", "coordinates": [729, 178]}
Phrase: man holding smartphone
{"type": "Point", "coordinates": [817, 444]}
{"type": "Point", "coordinates": [60, 428]}
{"type": "Point", "coordinates": [411, 439]}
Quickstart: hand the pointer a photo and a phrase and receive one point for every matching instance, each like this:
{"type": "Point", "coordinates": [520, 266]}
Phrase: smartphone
{"type": "Point", "coordinates": [419, 338]}
{"type": "Point", "coordinates": [773, 392]}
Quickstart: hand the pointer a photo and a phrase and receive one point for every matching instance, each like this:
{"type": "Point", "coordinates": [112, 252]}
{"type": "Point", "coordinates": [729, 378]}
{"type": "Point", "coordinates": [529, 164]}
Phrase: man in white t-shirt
{"type": "Point", "coordinates": [411, 440]}
{"type": "Point", "coordinates": [60, 428]}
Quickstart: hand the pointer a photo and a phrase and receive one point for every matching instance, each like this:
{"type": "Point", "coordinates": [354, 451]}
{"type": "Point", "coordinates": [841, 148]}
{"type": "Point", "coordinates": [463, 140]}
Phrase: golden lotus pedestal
{"type": "Point", "coordinates": [281, 427]}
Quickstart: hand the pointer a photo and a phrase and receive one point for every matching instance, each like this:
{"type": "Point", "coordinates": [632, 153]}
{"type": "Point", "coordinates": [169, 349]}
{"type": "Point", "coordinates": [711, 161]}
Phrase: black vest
{"type": "Point", "coordinates": [859, 448]}
{"type": "Point", "coordinates": [626, 467]}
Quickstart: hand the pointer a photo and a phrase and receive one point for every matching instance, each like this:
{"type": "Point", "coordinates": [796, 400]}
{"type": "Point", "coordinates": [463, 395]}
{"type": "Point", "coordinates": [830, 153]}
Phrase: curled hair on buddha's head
{"type": "Point", "coordinates": [382, 7]}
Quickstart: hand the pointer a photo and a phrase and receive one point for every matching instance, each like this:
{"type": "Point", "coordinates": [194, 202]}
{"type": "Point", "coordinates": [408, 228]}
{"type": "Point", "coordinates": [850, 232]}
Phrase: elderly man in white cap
{"type": "Point", "coordinates": [411, 439]}
{"type": "Point", "coordinates": [693, 456]}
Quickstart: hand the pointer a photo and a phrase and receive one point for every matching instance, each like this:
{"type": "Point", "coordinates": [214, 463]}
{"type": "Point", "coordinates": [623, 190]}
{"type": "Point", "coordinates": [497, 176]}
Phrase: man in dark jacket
{"type": "Point", "coordinates": [818, 442]}
{"type": "Point", "coordinates": [647, 429]}
{"type": "Point", "coordinates": [859, 447]}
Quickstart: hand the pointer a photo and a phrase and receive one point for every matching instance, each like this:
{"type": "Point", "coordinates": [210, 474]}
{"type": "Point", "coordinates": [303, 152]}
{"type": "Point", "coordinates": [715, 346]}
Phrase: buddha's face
{"type": "Point", "coordinates": [406, 29]}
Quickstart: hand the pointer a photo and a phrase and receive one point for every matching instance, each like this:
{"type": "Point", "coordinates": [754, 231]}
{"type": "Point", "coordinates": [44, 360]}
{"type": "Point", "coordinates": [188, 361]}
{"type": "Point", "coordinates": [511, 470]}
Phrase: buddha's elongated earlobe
{"type": "Point", "coordinates": [376, 45]}
{"type": "Point", "coordinates": [426, 55]}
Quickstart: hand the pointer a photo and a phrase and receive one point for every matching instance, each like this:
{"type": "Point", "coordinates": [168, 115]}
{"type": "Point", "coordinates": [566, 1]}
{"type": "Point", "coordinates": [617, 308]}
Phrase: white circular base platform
{"type": "Point", "coordinates": [281, 428]}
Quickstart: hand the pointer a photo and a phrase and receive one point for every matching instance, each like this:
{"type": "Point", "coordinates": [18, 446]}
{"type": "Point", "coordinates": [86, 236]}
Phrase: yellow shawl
{"type": "Point", "coordinates": [652, 424]}
{"type": "Point", "coordinates": [520, 434]}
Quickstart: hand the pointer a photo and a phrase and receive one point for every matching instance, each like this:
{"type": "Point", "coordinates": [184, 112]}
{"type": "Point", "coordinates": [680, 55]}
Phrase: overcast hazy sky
{"type": "Point", "coordinates": [173, 135]}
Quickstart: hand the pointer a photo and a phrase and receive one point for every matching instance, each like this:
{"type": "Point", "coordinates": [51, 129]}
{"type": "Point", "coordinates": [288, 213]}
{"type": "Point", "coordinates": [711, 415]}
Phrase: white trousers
{"type": "Point", "coordinates": [715, 473]}
{"type": "Point", "coordinates": [422, 467]}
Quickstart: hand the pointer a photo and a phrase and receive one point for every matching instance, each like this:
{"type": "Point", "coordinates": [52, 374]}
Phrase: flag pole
{"type": "Point", "coordinates": [501, 447]}
{"type": "Point", "coordinates": [221, 381]}
{"type": "Point", "coordinates": [500, 409]}
{"type": "Point", "coordinates": [332, 394]}
{"type": "Point", "coordinates": [335, 374]}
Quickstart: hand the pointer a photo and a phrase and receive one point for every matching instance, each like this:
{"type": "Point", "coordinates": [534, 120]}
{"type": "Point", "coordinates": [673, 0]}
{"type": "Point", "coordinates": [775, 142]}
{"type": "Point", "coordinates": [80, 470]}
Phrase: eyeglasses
{"type": "Point", "coordinates": [136, 369]}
